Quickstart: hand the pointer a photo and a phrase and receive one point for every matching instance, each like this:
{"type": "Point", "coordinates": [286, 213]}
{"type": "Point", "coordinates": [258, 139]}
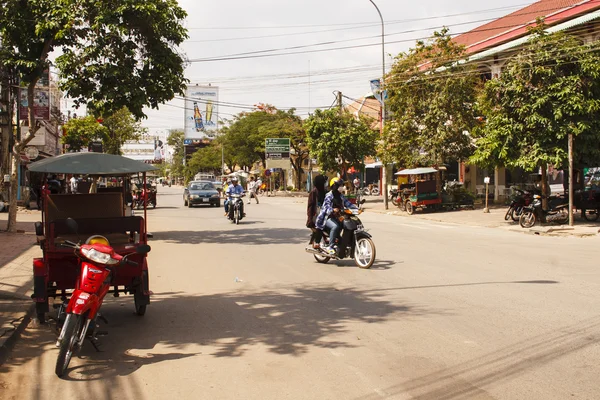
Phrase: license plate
{"type": "Point", "coordinates": [204, 200]}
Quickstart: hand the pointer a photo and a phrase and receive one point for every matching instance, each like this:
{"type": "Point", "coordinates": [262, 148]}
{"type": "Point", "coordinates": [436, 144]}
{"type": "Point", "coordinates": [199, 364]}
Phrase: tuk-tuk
{"type": "Point", "coordinates": [101, 211]}
{"type": "Point", "coordinates": [422, 191]}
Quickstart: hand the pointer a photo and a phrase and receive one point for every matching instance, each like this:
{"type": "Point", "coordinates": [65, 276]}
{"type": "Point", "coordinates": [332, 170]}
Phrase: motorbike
{"type": "Point", "coordinates": [558, 212]}
{"type": "Point", "coordinates": [354, 242]}
{"type": "Point", "coordinates": [145, 195]}
{"type": "Point", "coordinates": [166, 183]}
{"type": "Point", "coordinates": [98, 263]}
{"type": "Point", "coordinates": [521, 200]}
{"type": "Point", "coordinates": [395, 197]}
{"type": "Point", "coordinates": [236, 206]}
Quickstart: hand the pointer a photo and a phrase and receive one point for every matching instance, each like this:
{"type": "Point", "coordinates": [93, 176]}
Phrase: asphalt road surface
{"type": "Point", "coordinates": [242, 312]}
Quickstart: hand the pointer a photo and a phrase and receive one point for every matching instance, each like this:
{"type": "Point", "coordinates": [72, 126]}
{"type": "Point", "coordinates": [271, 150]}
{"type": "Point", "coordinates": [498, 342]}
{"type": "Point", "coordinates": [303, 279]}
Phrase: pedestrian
{"type": "Point", "coordinates": [73, 184]}
{"type": "Point", "coordinates": [356, 183]}
{"type": "Point", "coordinates": [315, 201]}
{"type": "Point", "coordinates": [252, 190]}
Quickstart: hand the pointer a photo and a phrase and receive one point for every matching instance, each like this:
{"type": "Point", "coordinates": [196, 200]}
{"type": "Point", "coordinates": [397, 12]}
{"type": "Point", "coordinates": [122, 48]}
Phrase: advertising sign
{"type": "Point", "coordinates": [376, 90]}
{"type": "Point", "coordinates": [201, 112]}
{"type": "Point", "coordinates": [277, 153]}
{"type": "Point", "coordinates": [41, 99]}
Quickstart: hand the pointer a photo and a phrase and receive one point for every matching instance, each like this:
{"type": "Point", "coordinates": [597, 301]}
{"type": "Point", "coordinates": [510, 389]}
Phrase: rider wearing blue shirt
{"type": "Point", "coordinates": [334, 203]}
{"type": "Point", "coordinates": [234, 188]}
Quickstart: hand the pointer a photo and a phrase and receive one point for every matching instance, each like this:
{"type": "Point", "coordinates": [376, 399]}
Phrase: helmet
{"type": "Point", "coordinates": [336, 181]}
{"type": "Point", "coordinates": [97, 239]}
{"type": "Point", "coordinates": [234, 179]}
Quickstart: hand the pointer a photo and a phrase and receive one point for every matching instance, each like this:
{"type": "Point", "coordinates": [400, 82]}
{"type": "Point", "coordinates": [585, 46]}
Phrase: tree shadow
{"type": "Point", "coordinates": [288, 321]}
{"type": "Point", "coordinates": [263, 236]}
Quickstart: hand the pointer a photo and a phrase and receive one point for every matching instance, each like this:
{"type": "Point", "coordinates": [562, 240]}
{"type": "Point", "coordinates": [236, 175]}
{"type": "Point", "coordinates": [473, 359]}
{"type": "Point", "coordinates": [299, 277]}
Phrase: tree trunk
{"type": "Point", "coordinates": [544, 186]}
{"type": "Point", "coordinates": [16, 160]}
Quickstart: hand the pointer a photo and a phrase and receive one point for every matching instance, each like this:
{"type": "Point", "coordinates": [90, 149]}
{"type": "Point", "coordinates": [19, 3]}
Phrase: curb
{"type": "Point", "coordinates": [8, 343]}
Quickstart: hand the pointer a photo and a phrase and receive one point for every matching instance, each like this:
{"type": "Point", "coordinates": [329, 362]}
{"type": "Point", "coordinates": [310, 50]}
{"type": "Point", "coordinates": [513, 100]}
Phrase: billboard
{"type": "Point", "coordinates": [201, 112]}
{"type": "Point", "coordinates": [41, 99]}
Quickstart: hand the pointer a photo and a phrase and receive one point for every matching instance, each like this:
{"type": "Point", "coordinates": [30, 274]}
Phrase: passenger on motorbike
{"type": "Point", "coordinates": [234, 188]}
{"type": "Point", "coordinates": [328, 218]}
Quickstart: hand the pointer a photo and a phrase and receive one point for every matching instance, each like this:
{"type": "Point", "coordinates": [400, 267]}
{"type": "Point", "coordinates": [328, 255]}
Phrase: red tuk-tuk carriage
{"type": "Point", "coordinates": [424, 190]}
{"type": "Point", "coordinates": [103, 211]}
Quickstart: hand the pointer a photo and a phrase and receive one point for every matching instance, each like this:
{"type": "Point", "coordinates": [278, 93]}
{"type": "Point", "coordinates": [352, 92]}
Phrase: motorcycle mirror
{"type": "Point", "coordinates": [143, 249]}
{"type": "Point", "coordinates": [72, 225]}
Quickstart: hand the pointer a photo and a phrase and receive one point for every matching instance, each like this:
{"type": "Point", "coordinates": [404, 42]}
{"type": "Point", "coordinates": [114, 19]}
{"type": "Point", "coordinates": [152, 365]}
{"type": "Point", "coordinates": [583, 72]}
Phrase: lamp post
{"type": "Point", "coordinates": [222, 149]}
{"type": "Point", "coordinates": [384, 167]}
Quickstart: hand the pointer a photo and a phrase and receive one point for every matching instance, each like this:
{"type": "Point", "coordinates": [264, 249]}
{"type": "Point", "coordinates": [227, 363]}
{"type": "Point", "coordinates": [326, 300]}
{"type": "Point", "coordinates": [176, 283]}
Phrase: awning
{"type": "Point", "coordinates": [377, 164]}
{"type": "Point", "coordinates": [416, 171]}
{"type": "Point", "coordinates": [90, 164]}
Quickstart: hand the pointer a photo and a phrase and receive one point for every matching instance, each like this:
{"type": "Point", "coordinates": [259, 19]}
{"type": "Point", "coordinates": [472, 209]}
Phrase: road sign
{"type": "Point", "coordinates": [277, 152]}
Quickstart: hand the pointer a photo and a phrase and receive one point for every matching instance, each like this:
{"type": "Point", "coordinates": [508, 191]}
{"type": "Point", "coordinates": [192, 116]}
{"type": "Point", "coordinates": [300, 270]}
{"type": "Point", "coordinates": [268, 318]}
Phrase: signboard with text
{"type": "Point", "coordinates": [277, 153]}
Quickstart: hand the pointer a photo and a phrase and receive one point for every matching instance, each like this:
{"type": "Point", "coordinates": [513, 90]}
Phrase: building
{"type": "Point", "coordinates": [492, 45]}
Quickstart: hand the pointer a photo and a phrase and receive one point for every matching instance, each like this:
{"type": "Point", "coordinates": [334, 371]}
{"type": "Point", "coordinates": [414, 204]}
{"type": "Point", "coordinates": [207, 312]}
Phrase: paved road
{"type": "Point", "coordinates": [242, 312]}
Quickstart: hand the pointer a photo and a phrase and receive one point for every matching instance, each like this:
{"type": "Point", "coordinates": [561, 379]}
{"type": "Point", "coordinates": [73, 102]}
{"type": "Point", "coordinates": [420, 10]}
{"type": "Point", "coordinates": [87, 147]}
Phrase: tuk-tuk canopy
{"type": "Point", "coordinates": [90, 164]}
{"type": "Point", "coordinates": [417, 171]}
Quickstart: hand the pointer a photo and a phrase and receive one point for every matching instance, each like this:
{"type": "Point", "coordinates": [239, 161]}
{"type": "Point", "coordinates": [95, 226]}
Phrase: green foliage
{"type": "Point", "coordinates": [175, 141]}
{"type": "Point", "coordinates": [113, 132]}
{"type": "Point", "coordinates": [549, 90]}
{"type": "Point", "coordinates": [120, 127]}
{"type": "Point", "coordinates": [114, 54]}
{"type": "Point", "coordinates": [340, 139]}
{"type": "Point", "coordinates": [79, 132]}
{"type": "Point", "coordinates": [430, 97]}
{"type": "Point", "coordinates": [205, 159]}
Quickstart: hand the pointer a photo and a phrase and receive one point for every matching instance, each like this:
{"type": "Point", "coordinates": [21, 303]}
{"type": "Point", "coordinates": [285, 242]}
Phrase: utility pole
{"type": "Point", "coordinates": [339, 100]}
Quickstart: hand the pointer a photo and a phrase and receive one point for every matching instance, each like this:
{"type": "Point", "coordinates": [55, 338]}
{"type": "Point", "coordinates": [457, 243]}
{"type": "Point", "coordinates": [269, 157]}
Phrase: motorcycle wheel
{"type": "Point", "coordinates": [375, 192]}
{"type": "Point", "coordinates": [516, 214]}
{"type": "Point", "coordinates": [321, 259]}
{"type": "Point", "coordinates": [409, 208]}
{"type": "Point", "coordinates": [364, 253]}
{"type": "Point", "coordinates": [590, 215]}
{"type": "Point", "coordinates": [395, 201]}
{"type": "Point", "coordinates": [509, 213]}
{"type": "Point", "coordinates": [527, 219]}
{"type": "Point", "coordinates": [67, 345]}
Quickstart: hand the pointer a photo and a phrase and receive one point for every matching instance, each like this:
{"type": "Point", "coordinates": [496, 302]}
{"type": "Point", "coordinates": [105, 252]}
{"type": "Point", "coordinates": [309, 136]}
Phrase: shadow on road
{"type": "Point", "coordinates": [285, 322]}
{"type": "Point", "coordinates": [535, 282]}
{"type": "Point", "coordinates": [266, 236]}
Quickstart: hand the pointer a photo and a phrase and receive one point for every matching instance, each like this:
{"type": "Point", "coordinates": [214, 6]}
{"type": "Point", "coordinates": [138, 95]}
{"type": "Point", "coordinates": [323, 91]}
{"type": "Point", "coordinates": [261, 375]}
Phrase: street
{"type": "Point", "coordinates": [243, 312]}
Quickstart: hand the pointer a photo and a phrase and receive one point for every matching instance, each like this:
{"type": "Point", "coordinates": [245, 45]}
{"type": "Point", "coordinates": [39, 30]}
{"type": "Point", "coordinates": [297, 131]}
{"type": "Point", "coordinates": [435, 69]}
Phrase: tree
{"type": "Point", "coordinates": [120, 127]}
{"type": "Point", "coordinates": [113, 55]}
{"type": "Point", "coordinates": [549, 90]}
{"type": "Point", "coordinates": [205, 159]}
{"type": "Point", "coordinates": [175, 141]}
{"type": "Point", "coordinates": [338, 139]}
{"type": "Point", "coordinates": [430, 96]}
{"type": "Point", "coordinates": [80, 132]}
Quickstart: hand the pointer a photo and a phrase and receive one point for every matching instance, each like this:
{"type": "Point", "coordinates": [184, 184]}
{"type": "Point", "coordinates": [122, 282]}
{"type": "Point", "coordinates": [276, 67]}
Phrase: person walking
{"type": "Point", "coordinates": [252, 189]}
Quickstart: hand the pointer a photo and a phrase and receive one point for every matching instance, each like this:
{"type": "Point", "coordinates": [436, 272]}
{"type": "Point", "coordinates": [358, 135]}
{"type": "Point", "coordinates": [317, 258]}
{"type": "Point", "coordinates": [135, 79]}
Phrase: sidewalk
{"type": "Point", "coordinates": [16, 253]}
{"type": "Point", "coordinates": [495, 219]}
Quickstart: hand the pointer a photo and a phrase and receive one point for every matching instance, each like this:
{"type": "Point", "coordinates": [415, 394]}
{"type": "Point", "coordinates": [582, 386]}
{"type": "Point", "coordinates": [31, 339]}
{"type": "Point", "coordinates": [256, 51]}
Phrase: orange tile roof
{"type": "Point", "coordinates": [514, 25]}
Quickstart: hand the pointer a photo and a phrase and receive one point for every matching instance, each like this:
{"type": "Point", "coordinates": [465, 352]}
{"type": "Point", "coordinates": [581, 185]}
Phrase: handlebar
{"type": "Point", "coordinates": [130, 262]}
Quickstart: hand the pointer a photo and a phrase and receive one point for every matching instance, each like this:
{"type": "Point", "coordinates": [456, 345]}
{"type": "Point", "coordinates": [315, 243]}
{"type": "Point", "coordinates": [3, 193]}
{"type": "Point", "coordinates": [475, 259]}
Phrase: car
{"type": "Point", "coordinates": [201, 192]}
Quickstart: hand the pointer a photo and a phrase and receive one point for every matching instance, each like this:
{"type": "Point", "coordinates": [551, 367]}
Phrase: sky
{"type": "Point", "coordinates": [227, 30]}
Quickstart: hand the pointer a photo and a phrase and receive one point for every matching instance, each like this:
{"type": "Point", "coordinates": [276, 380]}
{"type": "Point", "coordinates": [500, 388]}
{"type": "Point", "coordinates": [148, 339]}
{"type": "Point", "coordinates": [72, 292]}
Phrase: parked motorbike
{"type": "Point", "coordinates": [558, 212]}
{"type": "Point", "coordinates": [395, 197]}
{"type": "Point", "coordinates": [144, 195]}
{"type": "Point", "coordinates": [166, 183]}
{"type": "Point", "coordinates": [236, 207]}
{"type": "Point", "coordinates": [354, 242]}
{"type": "Point", "coordinates": [519, 201]}
{"type": "Point", "coordinates": [97, 265]}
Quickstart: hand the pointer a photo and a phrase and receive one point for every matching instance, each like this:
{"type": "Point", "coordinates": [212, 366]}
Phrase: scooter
{"type": "Point", "coordinates": [354, 242]}
{"type": "Point", "coordinates": [395, 197]}
{"type": "Point", "coordinates": [558, 212]}
{"type": "Point", "coordinates": [97, 263]}
{"type": "Point", "coordinates": [236, 208]}
{"type": "Point", "coordinates": [517, 204]}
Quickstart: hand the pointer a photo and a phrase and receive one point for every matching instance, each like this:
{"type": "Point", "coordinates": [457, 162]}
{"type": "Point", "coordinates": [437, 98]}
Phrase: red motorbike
{"type": "Point", "coordinates": [147, 196]}
{"type": "Point", "coordinates": [98, 263]}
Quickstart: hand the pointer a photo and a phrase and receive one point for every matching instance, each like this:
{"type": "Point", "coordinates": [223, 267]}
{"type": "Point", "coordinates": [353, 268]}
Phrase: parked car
{"type": "Point", "coordinates": [201, 192]}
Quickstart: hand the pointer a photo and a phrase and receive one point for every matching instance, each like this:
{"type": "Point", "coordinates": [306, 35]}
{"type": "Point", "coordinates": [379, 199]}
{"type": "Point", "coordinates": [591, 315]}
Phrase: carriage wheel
{"type": "Point", "coordinates": [409, 208]}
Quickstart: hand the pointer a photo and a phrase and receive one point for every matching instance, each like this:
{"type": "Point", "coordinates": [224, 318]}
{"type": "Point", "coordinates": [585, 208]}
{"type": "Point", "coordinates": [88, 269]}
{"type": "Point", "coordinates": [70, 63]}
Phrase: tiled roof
{"type": "Point", "coordinates": [514, 25]}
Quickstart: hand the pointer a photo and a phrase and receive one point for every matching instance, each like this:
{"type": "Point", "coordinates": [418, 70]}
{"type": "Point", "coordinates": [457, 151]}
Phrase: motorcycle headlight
{"type": "Point", "coordinates": [99, 257]}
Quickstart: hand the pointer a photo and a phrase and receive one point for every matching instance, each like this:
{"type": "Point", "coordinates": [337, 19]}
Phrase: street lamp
{"type": "Point", "coordinates": [222, 149]}
{"type": "Point", "coordinates": [384, 167]}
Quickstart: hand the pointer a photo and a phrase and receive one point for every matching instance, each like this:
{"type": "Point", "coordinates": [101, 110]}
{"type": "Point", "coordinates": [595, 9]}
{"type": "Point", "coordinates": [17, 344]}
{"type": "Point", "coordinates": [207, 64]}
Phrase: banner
{"type": "Point", "coordinates": [201, 112]}
{"type": "Point", "coordinates": [41, 99]}
{"type": "Point", "coordinates": [376, 90]}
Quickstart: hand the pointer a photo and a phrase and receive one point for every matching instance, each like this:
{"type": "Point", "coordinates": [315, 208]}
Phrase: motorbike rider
{"type": "Point", "coordinates": [234, 188]}
{"type": "Point", "coordinates": [328, 218]}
